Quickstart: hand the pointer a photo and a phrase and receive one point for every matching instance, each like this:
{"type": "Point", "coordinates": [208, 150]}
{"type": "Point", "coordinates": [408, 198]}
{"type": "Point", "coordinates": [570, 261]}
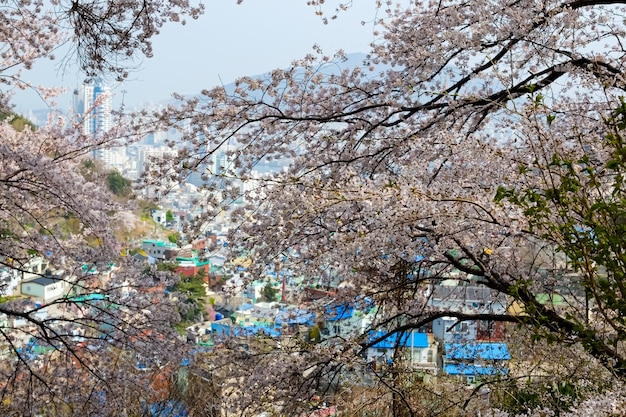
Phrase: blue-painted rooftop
{"type": "Point", "coordinates": [294, 316]}
{"type": "Point", "coordinates": [336, 312]}
{"type": "Point", "coordinates": [472, 351]}
{"type": "Point", "coordinates": [168, 408]}
{"type": "Point", "coordinates": [244, 307]}
{"type": "Point", "coordinates": [411, 340]}
{"type": "Point", "coordinates": [473, 370]}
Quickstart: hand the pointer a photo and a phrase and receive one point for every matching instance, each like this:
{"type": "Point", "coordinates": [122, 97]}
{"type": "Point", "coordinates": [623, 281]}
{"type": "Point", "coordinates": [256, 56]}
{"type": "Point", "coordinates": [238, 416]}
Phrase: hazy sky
{"type": "Point", "coordinates": [228, 41]}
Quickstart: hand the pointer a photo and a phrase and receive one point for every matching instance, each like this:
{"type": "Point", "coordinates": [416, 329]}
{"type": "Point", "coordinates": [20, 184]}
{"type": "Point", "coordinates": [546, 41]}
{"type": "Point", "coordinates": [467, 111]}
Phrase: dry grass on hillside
{"type": "Point", "coordinates": [130, 226]}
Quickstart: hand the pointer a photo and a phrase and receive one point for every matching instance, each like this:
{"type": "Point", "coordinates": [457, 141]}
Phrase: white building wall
{"type": "Point", "coordinates": [33, 289]}
{"type": "Point", "coordinates": [54, 291]}
{"type": "Point", "coordinates": [47, 292]}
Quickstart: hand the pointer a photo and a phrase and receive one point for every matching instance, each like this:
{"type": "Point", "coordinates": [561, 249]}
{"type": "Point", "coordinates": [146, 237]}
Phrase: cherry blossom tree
{"type": "Point", "coordinates": [479, 140]}
{"type": "Point", "coordinates": [105, 37]}
{"type": "Point", "coordinates": [80, 354]}
{"type": "Point", "coordinates": [80, 351]}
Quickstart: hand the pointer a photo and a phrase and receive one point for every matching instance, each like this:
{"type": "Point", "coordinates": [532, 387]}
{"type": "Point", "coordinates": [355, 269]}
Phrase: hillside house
{"type": "Point", "coordinates": [419, 349]}
{"type": "Point", "coordinates": [341, 321]}
{"type": "Point", "coordinates": [294, 319]}
{"type": "Point", "coordinates": [251, 338]}
{"type": "Point", "coordinates": [9, 282]}
{"type": "Point", "coordinates": [160, 250]}
{"type": "Point", "coordinates": [34, 267]}
{"type": "Point", "coordinates": [190, 265]}
{"type": "Point", "coordinates": [345, 320]}
{"type": "Point", "coordinates": [200, 245]}
{"type": "Point", "coordinates": [475, 360]}
{"type": "Point", "coordinates": [260, 314]}
{"type": "Point", "coordinates": [254, 290]}
{"type": "Point", "coordinates": [13, 273]}
{"type": "Point", "coordinates": [217, 258]}
{"type": "Point", "coordinates": [159, 216]}
{"type": "Point", "coordinates": [217, 277]}
{"type": "Point", "coordinates": [48, 287]}
{"type": "Point", "coordinates": [469, 300]}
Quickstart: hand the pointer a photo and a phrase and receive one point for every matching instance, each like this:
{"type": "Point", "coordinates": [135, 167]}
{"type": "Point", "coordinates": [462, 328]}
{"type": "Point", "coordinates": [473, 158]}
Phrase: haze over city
{"type": "Point", "coordinates": [229, 41]}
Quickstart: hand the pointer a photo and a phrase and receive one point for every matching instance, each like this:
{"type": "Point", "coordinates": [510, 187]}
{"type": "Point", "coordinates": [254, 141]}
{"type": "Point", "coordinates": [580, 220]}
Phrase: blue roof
{"type": "Point", "coordinates": [473, 370]}
{"type": "Point", "coordinates": [412, 340]}
{"type": "Point", "coordinates": [294, 316]}
{"type": "Point", "coordinates": [270, 331]}
{"type": "Point", "coordinates": [244, 331]}
{"type": "Point", "coordinates": [486, 351]}
{"type": "Point", "coordinates": [186, 361]}
{"type": "Point", "coordinates": [364, 304]}
{"type": "Point", "coordinates": [256, 330]}
{"type": "Point", "coordinates": [336, 312]}
{"type": "Point", "coordinates": [345, 310]}
{"type": "Point", "coordinates": [169, 408]}
{"type": "Point", "coordinates": [220, 329]}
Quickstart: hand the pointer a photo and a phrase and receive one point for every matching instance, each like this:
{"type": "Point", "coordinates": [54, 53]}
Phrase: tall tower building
{"type": "Point", "coordinates": [94, 101]}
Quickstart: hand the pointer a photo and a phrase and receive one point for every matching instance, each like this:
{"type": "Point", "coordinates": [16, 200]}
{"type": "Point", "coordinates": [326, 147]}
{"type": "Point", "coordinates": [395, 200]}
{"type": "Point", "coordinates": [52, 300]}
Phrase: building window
{"type": "Point", "coordinates": [462, 327]}
{"type": "Point", "coordinates": [429, 356]}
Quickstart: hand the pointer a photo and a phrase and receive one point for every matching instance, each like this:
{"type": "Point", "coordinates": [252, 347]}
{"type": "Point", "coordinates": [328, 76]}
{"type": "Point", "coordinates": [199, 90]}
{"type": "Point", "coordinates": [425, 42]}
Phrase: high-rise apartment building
{"type": "Point", "coordinates": [94, 101]}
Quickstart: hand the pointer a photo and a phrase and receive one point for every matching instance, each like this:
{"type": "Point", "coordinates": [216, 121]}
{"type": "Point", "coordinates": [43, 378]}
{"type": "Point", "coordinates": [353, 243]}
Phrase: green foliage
{"type": "Point", "coordinates": [18, 122]}
{"type": "Point", "coordinates": [174, 237]}
{"type": "Point", "coordinates": [193, 296]}
{"type": "Point", "coordinates": [590, 222]}
{"type": "Point", "coordinates": [191, 286]}
{"type": "Point", "coordinates": [169, 216]}
{"type": "Point", "coordinates": [89, 164]}
{"type": "Point", "coordinates": [167, 266]}
{"type": "Point", "coordinates": [7, 298]}
{"type": "Point", "coordinates": [118, 185]}
{"type": "Point", "coordinates": [90, 170]}
{"type": "Point", "coordinates": [315, 335]}
{"type": "Point", "coordinates": [269, 293]}
{"type": "Point", "coordinates": [581, 208]}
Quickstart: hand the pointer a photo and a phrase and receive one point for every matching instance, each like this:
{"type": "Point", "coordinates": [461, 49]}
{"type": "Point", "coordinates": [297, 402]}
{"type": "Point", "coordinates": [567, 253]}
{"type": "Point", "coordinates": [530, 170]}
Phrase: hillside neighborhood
{"type": "Point", "coordinates": [286, 309]}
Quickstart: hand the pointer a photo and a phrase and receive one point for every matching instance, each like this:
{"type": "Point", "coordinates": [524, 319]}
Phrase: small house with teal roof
{"type": "Point", "coordinates": [189, 264]}
{"type": "Point", "coordinates": [159, 249]}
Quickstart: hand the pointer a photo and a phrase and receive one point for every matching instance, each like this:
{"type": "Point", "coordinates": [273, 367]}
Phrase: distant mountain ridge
{"type": "Point", "coordinates": [40, 116]}
{"type": "Point", "coordinates": [331, 68]}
